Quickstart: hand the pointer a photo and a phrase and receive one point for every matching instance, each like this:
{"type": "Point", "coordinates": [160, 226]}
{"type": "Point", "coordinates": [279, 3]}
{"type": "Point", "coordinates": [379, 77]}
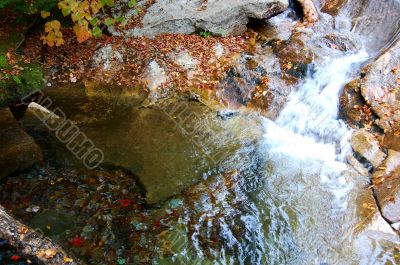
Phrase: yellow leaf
{"type": "Point", "coordinates": [74, 6]}
{"type": "Point", "coordinates": [74, 17]}
{"type": "Point", "coordinates": [66, 259]}
{"type": "Point", "coordinates": [59, 41]}
{"type": "Point", "coordinates": [45, 14]}
{"type": "Point", "coordinates": [55, 24]}
{"type": "Point", "coordinates": [95, 6]}
{"type": "Point", "coordinates": [48, 254]}
{"type": "Point", "coordinates": [54, 35]}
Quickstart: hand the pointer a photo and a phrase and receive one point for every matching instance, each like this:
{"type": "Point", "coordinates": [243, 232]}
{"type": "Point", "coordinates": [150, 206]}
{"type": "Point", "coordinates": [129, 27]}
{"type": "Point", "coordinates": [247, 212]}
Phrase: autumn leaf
{"type": "Point", "coordinates": [15, 257]}
{"type": "Point", "coordinates": [77, 241]}
{"type": "Point", "coordinates": [47, 254]}
{"type": "Point", "coordinates": [66, 259]}
{"type": "Point", "coordinates": [54, 35]}
{"type": "Point", "coordinates": [96, 6]}
{"type": "Point", "coordinates": [82, 33]}
{"type": "Point", "coordinates": [125, 202]}
{"type": "Point", "coordinates": [45, 14]}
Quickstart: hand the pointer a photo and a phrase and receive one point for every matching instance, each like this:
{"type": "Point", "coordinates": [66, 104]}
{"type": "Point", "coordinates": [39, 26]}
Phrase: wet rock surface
{"type": "Point", "coordinates": [18, 150]}
{"type": "Point", "coordinates": [365, 144]}
{"type": "Point", "coordinates": [31, 242]}
{"type": "Point", "coordinates": [386, 181]}
{"type": "Point", "coordinates": [168, 144]}
{"type": "Point", "coordinates": [353, 108]}
{"type": "Point", "coordinates": [332, 7]}
{"type": "Point", "coordinates": [216, 16]}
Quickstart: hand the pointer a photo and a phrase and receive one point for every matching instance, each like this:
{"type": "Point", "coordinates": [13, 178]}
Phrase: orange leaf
{"type": "Point", "coordinates": [82, 33]}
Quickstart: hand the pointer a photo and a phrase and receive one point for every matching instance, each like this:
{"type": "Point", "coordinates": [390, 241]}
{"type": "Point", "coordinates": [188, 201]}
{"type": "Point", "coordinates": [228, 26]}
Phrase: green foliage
{"type": "Point", "coordinates": [3, 62]}
{"type": "Point", "coordinates": [132, 3]}
{"type": "Point", "coordinates": [15, 87]}
{"type": "Point", "coordinates": [221, 32]}
{"type": "Point", "coordinates": [205, 33]}
{"type": "Point", "coordinates": [28, 7]}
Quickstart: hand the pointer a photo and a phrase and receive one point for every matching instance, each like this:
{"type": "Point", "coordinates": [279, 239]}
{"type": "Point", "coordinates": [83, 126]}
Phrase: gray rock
{"type": "Point", "coordinates": [18, 150]}
{"type": "Point", "coordinates": [375, 36]}
{"type": "Point", "coordinates": [365, 144]}
{"type": "Point", "coordinates": [222, 17]}
{"type": "Point", "coordinates": [379, 90]}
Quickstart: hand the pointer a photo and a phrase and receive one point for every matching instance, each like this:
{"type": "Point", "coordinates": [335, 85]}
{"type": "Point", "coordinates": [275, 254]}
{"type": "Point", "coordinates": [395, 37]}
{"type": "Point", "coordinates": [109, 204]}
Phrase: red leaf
{"type": "Point", "coordinates": [77, 241]}
{"type": "Point", "coordinates": [157, 223]}
{"type": "Point", "coordinates": [125, 202]}
{"type": "Point", "coordinates": [15, 257]}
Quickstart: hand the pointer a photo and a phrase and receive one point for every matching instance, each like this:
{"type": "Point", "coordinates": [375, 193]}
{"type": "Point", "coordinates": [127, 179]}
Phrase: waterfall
{"type": "Point", "coordinates": [308, 126]}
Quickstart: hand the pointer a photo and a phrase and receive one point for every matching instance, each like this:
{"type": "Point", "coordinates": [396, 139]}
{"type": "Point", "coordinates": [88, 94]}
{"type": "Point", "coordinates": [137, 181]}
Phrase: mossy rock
{"type": "Point", "coordinates": [15, 87]}
{"type": "Point", "coordinates": [17, 79]}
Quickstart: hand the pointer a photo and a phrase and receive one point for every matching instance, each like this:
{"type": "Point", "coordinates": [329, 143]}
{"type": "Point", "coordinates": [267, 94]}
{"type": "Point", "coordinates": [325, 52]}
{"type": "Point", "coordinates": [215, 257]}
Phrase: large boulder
{"type": "Point", "coordinates": [222, 17]}
{"type": "Point", "coordinates": [376, 23]}
{"type": "Point", "coordinates": [18, 150]}
{"type": "Point", "coordinates": [380, 88]}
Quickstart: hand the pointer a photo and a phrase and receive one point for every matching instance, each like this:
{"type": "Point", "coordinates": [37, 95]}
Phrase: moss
{"type": "Point", "coordinates": [16, 84]}
{"type": "Point", "coordinates": [12, 41]}
{"type": "Point", "coordinates": [15, 87]}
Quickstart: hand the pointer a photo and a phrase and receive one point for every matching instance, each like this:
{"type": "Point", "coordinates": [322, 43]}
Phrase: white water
{"type": "Point", "coordinates": [308, 129]}
{"type": "Point", "coordinates": [308, 126]}
{"type": "Point", "coordinates": [307, 146]}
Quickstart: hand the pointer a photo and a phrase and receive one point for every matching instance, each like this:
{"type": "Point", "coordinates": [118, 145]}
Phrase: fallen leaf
{"type": "Point", "coordinates": [15, 257]}
{"type": "Point", "coordinates": [44, 14]}
{"type": "Point", "coordinates": [77, 241]}
{"type": "Point", "coordinates": [47, 254]}
{"type": "Point", "coordinates": [66, 259]}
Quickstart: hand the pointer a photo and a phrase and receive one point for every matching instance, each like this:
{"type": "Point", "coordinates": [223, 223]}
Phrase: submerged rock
{"type": "Point", "coordinates": [168, 144]}
{"type": "Point", "coordinates": [18, 150]}
{"type": "Point", "coordinates": [221, 17]}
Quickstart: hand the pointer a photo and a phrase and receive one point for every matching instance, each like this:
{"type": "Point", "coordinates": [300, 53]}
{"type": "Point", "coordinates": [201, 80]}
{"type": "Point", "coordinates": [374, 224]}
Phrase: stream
{"type": "Point", "coordinates": [242, 189]}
